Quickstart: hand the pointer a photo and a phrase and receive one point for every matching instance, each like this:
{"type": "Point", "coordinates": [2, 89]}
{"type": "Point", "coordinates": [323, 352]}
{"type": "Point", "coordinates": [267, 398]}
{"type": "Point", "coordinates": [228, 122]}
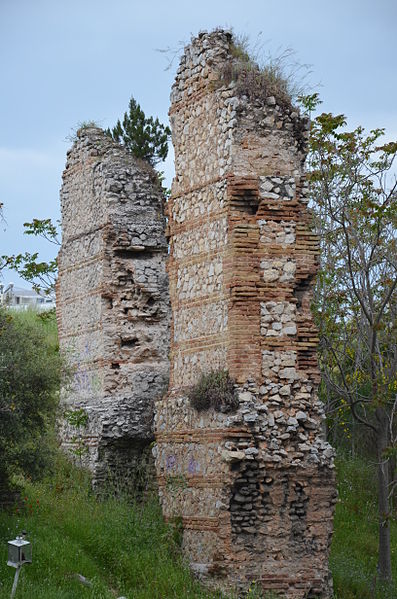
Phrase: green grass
{"type": "Point", "coordinates": [355, 542]}
{"type": "Point", "coordinates": [45, 320]}
{"type": "Point", "coordinates": [122, 549]}
{"type": "Point", "coordinates": [127, 550]}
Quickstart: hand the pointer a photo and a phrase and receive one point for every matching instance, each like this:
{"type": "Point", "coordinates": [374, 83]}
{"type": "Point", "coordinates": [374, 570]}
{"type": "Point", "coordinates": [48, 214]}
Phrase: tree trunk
{"type": "Point", "coordinates": [384, 560]}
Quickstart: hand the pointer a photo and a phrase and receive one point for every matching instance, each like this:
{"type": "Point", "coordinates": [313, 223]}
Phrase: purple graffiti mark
{"type": "Point", "coordinates": [170, 462]}
{"type": "Point", "coordinates": [193, 466]}
{"type": "Point", "coordinates": [82, 377]}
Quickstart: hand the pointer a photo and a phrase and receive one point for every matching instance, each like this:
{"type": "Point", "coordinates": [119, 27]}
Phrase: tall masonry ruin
{"type": "Point", "coordinates": [253, 480]}
{"type": "Point", "coordinates": [112, 306]}
{"type": "Point", "coordinates": [240, 455]}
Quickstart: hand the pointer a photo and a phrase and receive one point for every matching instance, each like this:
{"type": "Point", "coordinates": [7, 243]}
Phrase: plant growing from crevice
{"type": "Point", "coordinates": [81, 126]}
{"type": "Point", "coordinates": [78, 420]}
{"type": "Point", "coordinates": [175, 483]}
{"type": "Point", "coordinates": [216, 390]}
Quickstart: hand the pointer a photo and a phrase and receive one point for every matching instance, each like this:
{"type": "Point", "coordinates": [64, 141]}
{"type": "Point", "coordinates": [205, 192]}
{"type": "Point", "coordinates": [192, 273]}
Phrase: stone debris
{"type": "Point", "coordinates": [112, 305]}
{"type": "Point", "coordinates": [255, 489]}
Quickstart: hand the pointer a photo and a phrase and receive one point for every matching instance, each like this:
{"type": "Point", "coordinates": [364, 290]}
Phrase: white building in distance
{"type": "Point", "coordinates": [23, 299]}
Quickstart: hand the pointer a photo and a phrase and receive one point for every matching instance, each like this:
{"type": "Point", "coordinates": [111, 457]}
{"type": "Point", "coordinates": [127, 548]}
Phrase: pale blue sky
{"type": "Point", "coordinates": [67, 61]}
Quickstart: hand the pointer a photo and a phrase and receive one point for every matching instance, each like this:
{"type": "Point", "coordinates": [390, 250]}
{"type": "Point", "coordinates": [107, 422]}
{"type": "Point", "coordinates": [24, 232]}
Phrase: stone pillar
{"type": "Point", "coordinates": [112, 305]}
{"type": "Point", "coordinates": [254, 486]}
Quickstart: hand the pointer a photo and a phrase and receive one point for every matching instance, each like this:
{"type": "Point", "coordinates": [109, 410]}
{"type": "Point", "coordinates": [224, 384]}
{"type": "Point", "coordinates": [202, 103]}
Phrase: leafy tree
{"type": "Point", "coordinates": [354, 198]}
{"type": "Point", "coordinates": [41, 275]}
{"type": "Point", "coordinates": [143, 137]}
{"type": "Point", "coordinates": [30, 370]}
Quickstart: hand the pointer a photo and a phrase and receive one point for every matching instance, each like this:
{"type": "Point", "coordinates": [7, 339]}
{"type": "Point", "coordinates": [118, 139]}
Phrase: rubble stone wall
{"type": "Point", "coordinates": [255, 487]}
{"type": "Point", "coordinates": [112, 305]}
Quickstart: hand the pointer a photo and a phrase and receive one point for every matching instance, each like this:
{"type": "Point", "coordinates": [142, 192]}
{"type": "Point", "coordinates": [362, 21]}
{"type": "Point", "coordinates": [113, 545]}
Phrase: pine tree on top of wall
{"type": "Point", "coordinates": [143, 137]}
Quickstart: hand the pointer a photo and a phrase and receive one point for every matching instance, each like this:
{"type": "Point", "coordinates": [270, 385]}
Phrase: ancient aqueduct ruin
{"type": "Point", "coordinates": [254, 485]}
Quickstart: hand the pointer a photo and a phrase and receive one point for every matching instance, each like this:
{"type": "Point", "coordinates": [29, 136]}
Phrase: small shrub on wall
{"type": "Point", "coordinates": [214, 390]}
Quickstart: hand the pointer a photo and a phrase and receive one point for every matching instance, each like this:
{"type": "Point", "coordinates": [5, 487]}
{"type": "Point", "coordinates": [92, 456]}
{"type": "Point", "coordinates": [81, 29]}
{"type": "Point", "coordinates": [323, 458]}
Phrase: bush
{"type": "Point", "coordinates": [30, 370]}
{"type": "Point", "coordinates": [214, 390]}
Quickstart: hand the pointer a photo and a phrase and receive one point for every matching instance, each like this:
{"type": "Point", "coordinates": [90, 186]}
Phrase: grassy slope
{"type": "Point", "coordinates": [123, 550]}
{"type": "Point", "coordinates": [128, 550]}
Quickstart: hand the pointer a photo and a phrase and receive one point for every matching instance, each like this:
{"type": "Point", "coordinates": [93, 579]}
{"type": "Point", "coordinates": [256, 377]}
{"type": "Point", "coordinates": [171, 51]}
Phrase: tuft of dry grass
{"type": "Point", "coordinates": [259, 75]}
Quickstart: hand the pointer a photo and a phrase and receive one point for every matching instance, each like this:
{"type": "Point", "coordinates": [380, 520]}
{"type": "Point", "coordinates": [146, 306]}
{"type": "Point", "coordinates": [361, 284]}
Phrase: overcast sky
{"type": "Point", "coordinates": [67, 61]}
